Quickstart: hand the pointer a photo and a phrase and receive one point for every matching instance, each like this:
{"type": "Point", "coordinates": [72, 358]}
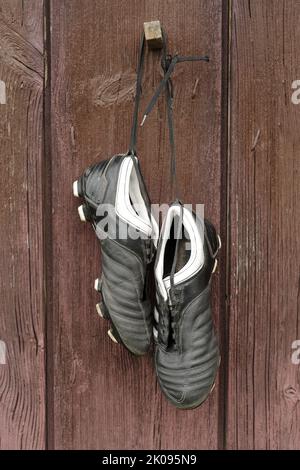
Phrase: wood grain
{"type": "Point", "coordinates": [103, 397]}
{"type": "Point", "coordinates": [22, 378]}
{"type": "Point", "coordinates": [25, 19]}
{"type": "Point", "coordinates": [263, 384]}
{"type": "Point", "coordinates": [97, 395]}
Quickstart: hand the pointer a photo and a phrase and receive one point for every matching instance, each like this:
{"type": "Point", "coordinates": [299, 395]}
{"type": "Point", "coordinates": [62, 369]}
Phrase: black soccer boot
{"type": "Point", "coordinates": [187, 354]}
{"type": "Point", "coordinates": [117, 205]}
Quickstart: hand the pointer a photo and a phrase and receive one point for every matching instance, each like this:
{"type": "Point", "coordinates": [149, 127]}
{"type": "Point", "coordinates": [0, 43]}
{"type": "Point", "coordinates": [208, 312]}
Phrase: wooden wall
{"type": "Point", "coordinates": [68, 69]}
{"type": "Point", "coordinates": [22, 289]}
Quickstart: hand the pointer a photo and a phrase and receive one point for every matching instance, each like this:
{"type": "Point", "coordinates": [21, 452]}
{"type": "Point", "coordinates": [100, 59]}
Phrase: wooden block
{"type": "Point", "coordinates": [153, 34]}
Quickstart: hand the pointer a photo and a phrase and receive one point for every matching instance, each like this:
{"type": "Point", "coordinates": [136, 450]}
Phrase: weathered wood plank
{"type": "Point", "coordinates": [22, 376]}
{"type": "Point", "coordinates": [17, 53]}
{"type": "Point", "coordinates": [103, 397]}
{"type": "Point", "coordinates": [264, 385]}
{"type": "Point", "coordinates": [25, 18]}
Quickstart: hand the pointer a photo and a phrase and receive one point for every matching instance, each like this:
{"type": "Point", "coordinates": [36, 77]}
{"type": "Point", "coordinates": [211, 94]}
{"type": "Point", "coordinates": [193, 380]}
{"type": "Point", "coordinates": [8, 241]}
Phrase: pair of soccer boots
{"type": "Point", "coordinates": [116, 202]}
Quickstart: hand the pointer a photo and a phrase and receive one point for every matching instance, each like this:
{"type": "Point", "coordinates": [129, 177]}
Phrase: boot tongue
{"type": "Point", "coordinates": [162, 279]}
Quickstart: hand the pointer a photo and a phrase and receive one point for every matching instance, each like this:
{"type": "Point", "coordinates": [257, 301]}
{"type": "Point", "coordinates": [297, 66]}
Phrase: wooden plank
{"type": "Point", "coordinates": [264, 385]}
{"type": "Point", "coordinates": [103, 397]}
{"type": "Point", "coordinates": [22, 377]}
{"type": "Point", "coordinates": [25, 18]}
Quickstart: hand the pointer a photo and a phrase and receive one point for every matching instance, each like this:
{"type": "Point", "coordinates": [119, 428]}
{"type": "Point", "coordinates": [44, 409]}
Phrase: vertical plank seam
{"type": "Point", "coordinates": [47, 230]}
{"type": "Point", "coordinates": [225, 220]}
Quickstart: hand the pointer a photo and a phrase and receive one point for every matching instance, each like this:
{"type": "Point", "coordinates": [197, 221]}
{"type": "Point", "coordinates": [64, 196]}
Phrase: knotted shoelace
{"type": "Point", "coordinates": [168, 64]}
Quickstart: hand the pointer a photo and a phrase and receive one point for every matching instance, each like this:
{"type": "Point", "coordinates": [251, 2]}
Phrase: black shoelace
{"type": "Point", "coordinates": [168, 63]}
{"type": "Point", "coordinates": [132, 146]}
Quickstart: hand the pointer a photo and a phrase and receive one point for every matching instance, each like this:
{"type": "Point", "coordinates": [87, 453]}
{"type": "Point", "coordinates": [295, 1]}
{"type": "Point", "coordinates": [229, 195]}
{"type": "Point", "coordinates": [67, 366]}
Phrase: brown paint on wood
{"type": "Point", "coordinates": [111, 90]}
{"type": "Point", "coordinates": [102, 396]}
{"type": "Point", "coordinates": [98, 396]}
{"type": "Point", "coordinates": [264, 385]}
{"type": "Point", "coordinates": [19, 54]}
{"type": "Point", "coordinates": [22, 378]}
{"type": "Point", "coordinates": [24, 18]}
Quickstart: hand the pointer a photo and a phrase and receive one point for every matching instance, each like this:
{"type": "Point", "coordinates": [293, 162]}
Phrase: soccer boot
{"type": "Point", "coordinates": [117, 205]}
{"type": "Point", "coordinates": [187, 354]}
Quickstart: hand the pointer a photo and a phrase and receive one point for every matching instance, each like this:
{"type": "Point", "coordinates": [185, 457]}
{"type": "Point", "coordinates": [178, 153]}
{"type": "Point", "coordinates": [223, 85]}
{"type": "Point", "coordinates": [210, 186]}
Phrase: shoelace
{"type": "Point", "coordinates": [168, 66]}
{"type": "Point", "coordinates": [132, 146]}
{"type": "Point", "coordinates": [168, 63]}
{"type": "Point", "coordinates": [168, 322]}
